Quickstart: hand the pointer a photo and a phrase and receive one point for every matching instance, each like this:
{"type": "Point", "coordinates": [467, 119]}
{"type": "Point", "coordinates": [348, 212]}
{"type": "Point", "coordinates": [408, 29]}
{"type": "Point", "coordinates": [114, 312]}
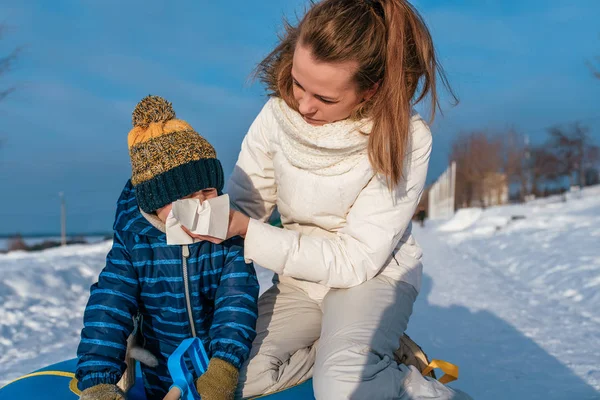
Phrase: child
{"type": "Point", "coordinates": [202, 290]}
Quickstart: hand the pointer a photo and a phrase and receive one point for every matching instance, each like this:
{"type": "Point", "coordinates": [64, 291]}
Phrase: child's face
{"type": "Point", "coordinates": [202, 195]}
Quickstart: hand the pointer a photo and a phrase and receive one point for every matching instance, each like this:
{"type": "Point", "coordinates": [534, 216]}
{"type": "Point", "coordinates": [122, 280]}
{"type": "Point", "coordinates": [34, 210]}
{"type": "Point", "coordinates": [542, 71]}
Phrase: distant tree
{"type": "Point", "coordinates": [516, 161]}
{"type": "Point", "coordinates": [6, 63]}
{"type": "Point", "coordinates": [595, 69]}
{"type": "Point", "coordinates": [545, 167]}
{"type": "Point", "coordinates": [592, 176]}
{"type": "Point", "coordinates": [574, 150]}
{"type": "Point", "coordinates": [478, 156]}
{"type": "Point", "coordinates": [17, 243]}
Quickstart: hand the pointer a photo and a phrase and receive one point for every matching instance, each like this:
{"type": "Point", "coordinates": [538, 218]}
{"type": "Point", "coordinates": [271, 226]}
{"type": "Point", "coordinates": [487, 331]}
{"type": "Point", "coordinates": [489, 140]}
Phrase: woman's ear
{"type": "Point", "coordinates": [369, 93]}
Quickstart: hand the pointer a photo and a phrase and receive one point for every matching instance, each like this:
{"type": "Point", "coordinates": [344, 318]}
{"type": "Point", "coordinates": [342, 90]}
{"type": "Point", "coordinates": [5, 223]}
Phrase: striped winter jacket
{"type": "Point", "coordinates": [202, 289]}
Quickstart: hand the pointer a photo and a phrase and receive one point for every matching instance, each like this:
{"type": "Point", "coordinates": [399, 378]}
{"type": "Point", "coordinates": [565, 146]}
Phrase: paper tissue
{"type": "Point", "coordinates": [209, 218]}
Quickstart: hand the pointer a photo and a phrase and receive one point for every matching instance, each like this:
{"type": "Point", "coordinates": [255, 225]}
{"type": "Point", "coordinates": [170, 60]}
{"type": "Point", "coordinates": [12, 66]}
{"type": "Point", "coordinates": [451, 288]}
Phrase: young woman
{"type": "Point", "coordinates": [340, 151]}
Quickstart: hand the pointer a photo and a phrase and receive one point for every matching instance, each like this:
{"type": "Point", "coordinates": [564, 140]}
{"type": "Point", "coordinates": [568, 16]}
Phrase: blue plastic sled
{"type": "Point", "coordinates": [56, 382]}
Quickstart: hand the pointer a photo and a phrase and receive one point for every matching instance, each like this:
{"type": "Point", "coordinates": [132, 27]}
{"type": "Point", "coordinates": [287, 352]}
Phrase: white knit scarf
{"type": "Point", "coordinates": [331, 149]}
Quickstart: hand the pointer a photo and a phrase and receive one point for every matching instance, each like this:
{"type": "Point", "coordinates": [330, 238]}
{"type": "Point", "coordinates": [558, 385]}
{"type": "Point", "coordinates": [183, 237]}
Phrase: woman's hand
{"type": "Point", "coordinates": [238, 226]}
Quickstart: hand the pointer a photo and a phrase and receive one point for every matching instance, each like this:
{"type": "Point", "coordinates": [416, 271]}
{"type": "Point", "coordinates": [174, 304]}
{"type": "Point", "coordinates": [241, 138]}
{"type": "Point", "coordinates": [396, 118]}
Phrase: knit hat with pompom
{"type": "Point", "coordinates": [169, 160]}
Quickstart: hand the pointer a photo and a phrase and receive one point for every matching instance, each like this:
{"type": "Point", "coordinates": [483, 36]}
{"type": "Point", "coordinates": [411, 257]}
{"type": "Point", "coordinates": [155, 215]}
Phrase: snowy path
{"type": "Point", "coordinates": [509, 342]}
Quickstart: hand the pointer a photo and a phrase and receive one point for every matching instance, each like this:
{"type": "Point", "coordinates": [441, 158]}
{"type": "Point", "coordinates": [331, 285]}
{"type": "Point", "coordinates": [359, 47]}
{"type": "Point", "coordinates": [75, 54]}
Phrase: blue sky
{"type": "Point", "coordinates": [85, 64]}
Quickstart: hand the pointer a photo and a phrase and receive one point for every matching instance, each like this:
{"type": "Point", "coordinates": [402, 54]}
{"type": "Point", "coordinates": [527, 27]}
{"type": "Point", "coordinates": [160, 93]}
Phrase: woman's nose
{"type": "Point", "coordinates": [307, 105]}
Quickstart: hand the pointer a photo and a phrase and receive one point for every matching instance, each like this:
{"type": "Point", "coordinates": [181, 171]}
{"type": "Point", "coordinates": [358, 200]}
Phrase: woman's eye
{"type": "Point", "coordinates": [326, 101]}
{"type": "Point", "coordinates": [297, 85]}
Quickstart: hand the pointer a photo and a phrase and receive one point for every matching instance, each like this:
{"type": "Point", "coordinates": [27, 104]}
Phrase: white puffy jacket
{"type": "Point", "coordinates": [339, 230]}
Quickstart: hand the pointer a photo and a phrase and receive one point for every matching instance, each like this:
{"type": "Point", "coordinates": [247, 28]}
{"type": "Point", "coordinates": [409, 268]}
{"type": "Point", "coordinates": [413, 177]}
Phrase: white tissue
{"type": "Point", "coordinates": [209, 218]}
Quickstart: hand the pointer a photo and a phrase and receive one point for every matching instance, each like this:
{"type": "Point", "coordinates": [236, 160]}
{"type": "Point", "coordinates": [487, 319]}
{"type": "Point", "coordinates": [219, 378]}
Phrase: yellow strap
{"type": "Point", "coordinates": [73, 386]}
{"type": "Point", "coordinates": [41, 373]}
{"type": "Point", "coordinates": [450, 370]}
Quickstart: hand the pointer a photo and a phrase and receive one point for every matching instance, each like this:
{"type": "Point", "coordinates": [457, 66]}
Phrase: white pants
{"type": "Point", "coordinates": [345, 342]}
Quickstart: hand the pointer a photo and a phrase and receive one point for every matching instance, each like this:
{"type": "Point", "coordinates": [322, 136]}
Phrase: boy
{"type": "Point", "coordinates": [202, 289]}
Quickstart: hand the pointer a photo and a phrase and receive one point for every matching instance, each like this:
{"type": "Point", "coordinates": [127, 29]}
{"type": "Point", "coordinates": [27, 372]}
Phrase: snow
{"type": "Point", "coordinates": [514, 302]}
{"type": "Point", "coordinates": [510, 294]}
{"type": "Point", "coordinates": [554, 250]}
{"type": "Point", "coordinates": [461, 220]}
{"type": "Point", "coordinates": [42, 296]}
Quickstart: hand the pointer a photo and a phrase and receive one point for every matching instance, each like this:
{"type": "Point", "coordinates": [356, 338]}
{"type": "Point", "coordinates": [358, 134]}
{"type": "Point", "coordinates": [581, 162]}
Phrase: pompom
{"type": "Point", "coordinates": [152, 109]}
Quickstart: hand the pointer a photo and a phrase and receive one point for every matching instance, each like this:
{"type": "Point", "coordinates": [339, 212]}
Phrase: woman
{"type": "Point", "coordinates": [341, 153]}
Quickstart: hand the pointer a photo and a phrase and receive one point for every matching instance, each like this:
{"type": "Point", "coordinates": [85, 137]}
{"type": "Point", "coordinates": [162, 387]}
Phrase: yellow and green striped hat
{"type": "Point", "coordinates": [169, 160]}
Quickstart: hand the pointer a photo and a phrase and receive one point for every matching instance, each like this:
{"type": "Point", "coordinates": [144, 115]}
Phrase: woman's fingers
{"type": "Point", "coordinates": [186, 230]}
{"type": "Point", "coordinates": [238, 226]}
{"type": "Point", "coordinates": [202, 237]}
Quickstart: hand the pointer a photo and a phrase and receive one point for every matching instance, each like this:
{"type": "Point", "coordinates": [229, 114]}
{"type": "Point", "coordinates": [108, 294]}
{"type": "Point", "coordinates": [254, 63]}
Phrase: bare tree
{"type": "Point", "coordinates": [592, 162]}
{"type": "Point", "coordinates": [595, 70]}
{"type": "Point", "coordinates": [461, 154]}
{"type": "Point", "coordinates": [516, 161]}
{"type": "Point", "coordinates": [545, 167]}
{"type": "Point", "coordinates": [478, 157]}
{"type": "Point", "coordinates": [17, 243]}
{"type": "Point", "coordinates": [574, 150]}
{"type": "Point", "coordinates": [6, 63]}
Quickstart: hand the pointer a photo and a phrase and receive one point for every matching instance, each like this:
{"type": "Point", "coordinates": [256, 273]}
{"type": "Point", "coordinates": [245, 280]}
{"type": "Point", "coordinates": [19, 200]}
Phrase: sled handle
{"type": "Point", "coordinates": [450, 370]}
{"type": "Point", "coordinates": [183, 387]}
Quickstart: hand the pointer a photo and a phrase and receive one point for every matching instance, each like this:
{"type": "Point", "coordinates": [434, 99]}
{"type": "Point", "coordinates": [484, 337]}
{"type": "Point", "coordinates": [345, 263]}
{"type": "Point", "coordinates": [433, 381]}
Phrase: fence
{"type": "Point", "coordinates": [441, 195]}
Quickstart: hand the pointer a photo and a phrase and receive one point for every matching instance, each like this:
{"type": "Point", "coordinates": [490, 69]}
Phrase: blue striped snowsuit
{"type": "Point", "coordinates": [143, 274]}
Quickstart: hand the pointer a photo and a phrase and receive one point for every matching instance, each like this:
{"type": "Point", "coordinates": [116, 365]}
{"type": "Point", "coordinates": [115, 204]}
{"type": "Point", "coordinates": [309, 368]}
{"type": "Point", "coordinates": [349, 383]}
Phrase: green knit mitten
{"type": "Point", "coordinates": [218, 382]}
{"type": "Point", "coordinates": [102, 392]}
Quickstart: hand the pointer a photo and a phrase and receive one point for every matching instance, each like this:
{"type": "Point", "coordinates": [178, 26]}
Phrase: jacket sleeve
{"type": "Point", "coordinates": [251, 187]}
{"type": "Point", "coordinates": [235, 313]}
{"type": "Point", "coordinates": [374, 226]}
{"type": "Point", "coordinates": [108, 320]}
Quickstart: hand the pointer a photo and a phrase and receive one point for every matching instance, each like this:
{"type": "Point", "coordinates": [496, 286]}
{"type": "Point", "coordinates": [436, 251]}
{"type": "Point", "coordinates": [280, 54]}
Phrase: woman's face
{"type": "Point", "coordinates": [325, 92]}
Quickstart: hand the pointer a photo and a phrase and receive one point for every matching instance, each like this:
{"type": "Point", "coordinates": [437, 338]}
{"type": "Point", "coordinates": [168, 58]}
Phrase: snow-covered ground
{"type": "Point", "coordinates": [515, 301]}
{"type": "Point", "coordinates": [510, 294]}
{"type": "Point", "coordinates": [42, 296]}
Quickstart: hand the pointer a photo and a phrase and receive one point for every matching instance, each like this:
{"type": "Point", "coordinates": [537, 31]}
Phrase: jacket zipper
{"type": "Point", "coordinates": [185, 251]}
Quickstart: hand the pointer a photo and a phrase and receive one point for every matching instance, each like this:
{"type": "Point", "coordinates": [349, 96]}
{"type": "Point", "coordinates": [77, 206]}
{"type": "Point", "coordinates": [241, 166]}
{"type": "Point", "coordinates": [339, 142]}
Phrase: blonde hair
{"type": "Point", "coordinates": [393, 48]}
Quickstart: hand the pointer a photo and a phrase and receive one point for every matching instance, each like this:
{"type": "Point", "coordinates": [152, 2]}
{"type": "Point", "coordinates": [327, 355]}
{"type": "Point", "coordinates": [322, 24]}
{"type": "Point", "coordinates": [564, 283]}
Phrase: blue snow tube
{"type": "Point", "coordinates": [57, 382]}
